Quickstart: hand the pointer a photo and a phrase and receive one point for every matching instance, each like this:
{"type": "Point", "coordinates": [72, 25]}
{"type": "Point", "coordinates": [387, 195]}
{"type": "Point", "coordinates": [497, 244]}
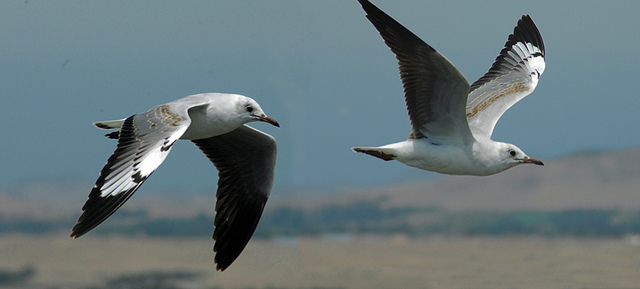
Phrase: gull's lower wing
{"type": "Point", "coordinates": [245, 159]}
{"type": "Point", "coordinates": [435, 91]}
{"type": "Point", "coordinates": [513, 75]}
{"type": "Point", "coordinates": [144, 141]}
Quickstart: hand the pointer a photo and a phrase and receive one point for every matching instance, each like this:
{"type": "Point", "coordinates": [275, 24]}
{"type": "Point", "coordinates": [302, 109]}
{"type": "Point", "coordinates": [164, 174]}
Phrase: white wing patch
{"type": "Point", "coordinates": [144, 165]}
{"type": "Point", "coordinates": [144, 145]}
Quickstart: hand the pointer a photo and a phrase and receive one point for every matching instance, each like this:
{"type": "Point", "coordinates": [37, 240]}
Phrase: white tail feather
{"type": "Point", "coordinates": [109, 124]}
{"type": "Point", "coordinates": [386, 154]}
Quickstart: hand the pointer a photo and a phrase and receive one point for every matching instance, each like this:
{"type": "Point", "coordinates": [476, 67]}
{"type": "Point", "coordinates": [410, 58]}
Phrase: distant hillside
{"type": "Point", "coordinates": [63, 198]}
{"type": "Point", "coordinates": [586, 194]}
{"type": "Point", "coordinates": [584, 180]}
{"type": "Point", "coordinates": [609, 180]}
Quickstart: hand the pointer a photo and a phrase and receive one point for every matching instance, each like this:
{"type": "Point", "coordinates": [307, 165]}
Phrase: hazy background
{"type": "Point", "coordinates": [322, 70]}
{"type": "Point", "coordinates": [318, 67]}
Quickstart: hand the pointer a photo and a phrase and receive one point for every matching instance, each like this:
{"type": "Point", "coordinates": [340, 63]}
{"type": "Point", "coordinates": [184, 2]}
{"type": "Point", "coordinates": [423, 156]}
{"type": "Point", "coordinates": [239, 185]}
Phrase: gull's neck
{"type": "Point", "coordinates": [488, 155]}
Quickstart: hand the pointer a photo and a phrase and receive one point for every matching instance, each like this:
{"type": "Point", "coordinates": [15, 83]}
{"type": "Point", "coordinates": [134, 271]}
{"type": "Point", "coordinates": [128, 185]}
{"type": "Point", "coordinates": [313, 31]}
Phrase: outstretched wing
{"type": "Point", "coordinates": [435, 91]}
{"type": "Point", "coordinates": [513, 75]}
{"type": "Point", "coordinates": [245, 159]}
{"type": "Point", "coordinates": [144, 142]}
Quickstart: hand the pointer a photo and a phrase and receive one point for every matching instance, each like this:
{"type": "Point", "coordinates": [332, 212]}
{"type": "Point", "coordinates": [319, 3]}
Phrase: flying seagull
{"type": "Point", "coordinates": [452, 122]}
{"type": "Point", "coordinates": [215, 122]}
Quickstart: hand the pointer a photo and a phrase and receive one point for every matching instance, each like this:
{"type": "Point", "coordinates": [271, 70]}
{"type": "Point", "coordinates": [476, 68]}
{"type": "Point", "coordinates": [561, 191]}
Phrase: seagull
{"type": "Point", "coordinates": [452, 121]}
{"type": "Point", "coordinates": [215, 122]}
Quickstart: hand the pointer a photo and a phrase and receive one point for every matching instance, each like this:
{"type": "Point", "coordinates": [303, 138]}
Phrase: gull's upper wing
{"type": "Point", "coordinates": [144, 141]}
{"type": "Point", "coordinates": [245, 159]}
{"type": "Point", "coordinates": [513, 75]}
{"type": "Point", "coordinates": [435, 91]}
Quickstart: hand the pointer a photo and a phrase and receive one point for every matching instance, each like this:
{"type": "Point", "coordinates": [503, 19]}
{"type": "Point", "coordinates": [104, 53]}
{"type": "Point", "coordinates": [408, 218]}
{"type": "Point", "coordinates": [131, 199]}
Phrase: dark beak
{"type": "Point", "coordinates": [268, 120]}
{"type": "Point", "coordinates": [529, 160]}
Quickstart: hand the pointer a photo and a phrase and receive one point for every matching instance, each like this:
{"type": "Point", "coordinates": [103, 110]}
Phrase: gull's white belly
{"type": "Point", "coordinates": [445, 159]}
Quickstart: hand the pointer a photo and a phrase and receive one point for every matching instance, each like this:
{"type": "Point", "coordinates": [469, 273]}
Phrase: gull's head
{"type": "Point", "coordinates": [498, 156]}
{"type": "Point", "coordinates": [513, 155]}
{"type": "Point", "coordinates": [250, 111]}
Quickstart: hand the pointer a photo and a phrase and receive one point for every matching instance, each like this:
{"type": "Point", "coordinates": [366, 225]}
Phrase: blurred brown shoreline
{"type": "Point", "coordinates": [336, 262]}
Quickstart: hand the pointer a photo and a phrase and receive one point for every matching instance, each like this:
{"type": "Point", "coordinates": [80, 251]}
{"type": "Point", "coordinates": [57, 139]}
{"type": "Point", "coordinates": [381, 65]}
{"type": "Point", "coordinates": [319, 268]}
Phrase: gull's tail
{"type": "Point", "coordinates": [386, 154]}
{"type": "Point", "coordinates": [109, 124]}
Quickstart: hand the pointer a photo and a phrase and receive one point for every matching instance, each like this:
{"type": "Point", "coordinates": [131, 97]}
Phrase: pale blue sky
{"type": "Point", "coordinates": [318, 67]}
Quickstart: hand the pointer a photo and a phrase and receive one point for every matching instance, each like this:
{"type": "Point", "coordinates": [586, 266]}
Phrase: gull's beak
{"type": "Point", "coordinates": [268, 120]}
{"type": "Point", "coordinates": [528, 160]}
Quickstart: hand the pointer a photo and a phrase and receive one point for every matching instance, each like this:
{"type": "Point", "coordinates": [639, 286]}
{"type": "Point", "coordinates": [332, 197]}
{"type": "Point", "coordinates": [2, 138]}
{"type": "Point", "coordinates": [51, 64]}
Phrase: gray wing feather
{"type": "Point", "coordinates": [245, 159]}
{"type": "Point", "coordinates": [435, 91]}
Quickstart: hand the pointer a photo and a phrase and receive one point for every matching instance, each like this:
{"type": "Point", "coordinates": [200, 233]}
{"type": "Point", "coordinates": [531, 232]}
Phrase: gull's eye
{"type": "Point", "coordinates": [512, 153]}
{"type": "Point", "coordinates": [249, 108]}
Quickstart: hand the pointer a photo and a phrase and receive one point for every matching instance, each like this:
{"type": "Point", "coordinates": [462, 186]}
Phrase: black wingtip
{"type": "Point", "coordinates": [395, 35]}
{"type": "Point", "coordinates": [527, 31]}
{"type": "Point", "coordinates": [113, 135]}
{"type": "Point", "coordinates": [76, 233]}
{"type": "Point", "coordinates": [223, 266]}
{"type": "Point", "coordinates": [234, 230]}
{"type": "Point", "coordinates": [365, 4]}
{"type": "Point", "coordinates": [372, 10]}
